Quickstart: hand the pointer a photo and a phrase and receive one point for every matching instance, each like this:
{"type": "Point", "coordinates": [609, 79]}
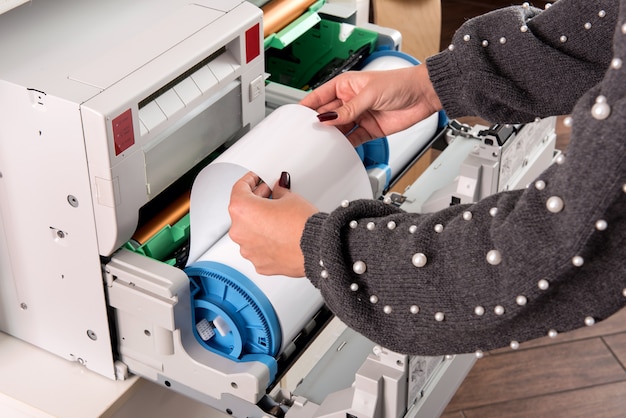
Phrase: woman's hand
{"type": "Point", "coordinates": [268, 230]}
{"type": "Point", "coordinates": [371, 104]}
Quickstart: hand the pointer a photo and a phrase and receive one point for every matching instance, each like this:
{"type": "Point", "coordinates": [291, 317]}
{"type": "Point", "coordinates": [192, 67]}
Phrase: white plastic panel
{"type": "Point", "coordinates": [204, 79]}
{"type": "Point", "coordinates": [223, 66]}
{"type": "Point", "coordinates": [170, 103]}
{"type": "Point", "coordinates": [187, 90]}
{"type": "Point", "coordinates": [123, 59]}
{"type": "Point", "coordinates": [55, 298]}
{"type": "Point", "coordinates": [151, 115]}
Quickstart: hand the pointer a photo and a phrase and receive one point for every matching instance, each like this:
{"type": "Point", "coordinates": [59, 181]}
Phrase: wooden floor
{"type": "Point", "coordinates": [576, 374]}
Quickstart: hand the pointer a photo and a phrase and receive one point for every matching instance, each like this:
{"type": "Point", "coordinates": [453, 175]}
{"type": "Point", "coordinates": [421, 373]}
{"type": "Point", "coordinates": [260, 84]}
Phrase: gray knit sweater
{"type": "Point", "coordinates": [553, 258]}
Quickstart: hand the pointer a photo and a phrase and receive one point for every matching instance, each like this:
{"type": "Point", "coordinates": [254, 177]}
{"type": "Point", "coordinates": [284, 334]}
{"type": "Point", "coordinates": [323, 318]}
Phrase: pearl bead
{"type": "Point", "coordinates": [345, 203]}
{"type": "Point", "coordinates": [412, 229]}
{"type": "Point", "coordinates": [324, 274]}
{"type": "Point", "coordinates": [479, 354]}
{"type": "Point", "coordinates": [479, 310]}
{"type": "Point", "coordinates": [555, 204]}
{"type": "Point", "coordinates": [560, 159]}
{"type": "Point", "coordinates": [419, 260]}
{"type": "Point", "coordinates": [439, 228]}
{"type": "Point", "coordinates": [414, 309]}
{"type": "Point", "coordinates": [391, 225]}
{"type": "Point", "coordinates": [601, 225]}
{"type": "Point", "coordinates": [514, 345]}
{"type": "Point", "coordinates": [494, 258]}
{"type": "Point", "coordinates": [540, 185]}
{"type": "Point", "coordinates": [387, 200]}
{"type": "Point", "coordinates": [547, 6]}
{"type": "Point", "coordinates": [543, 284]}
{"type": "Point", "coordinates": [485, 43]}
{"type": "Point", "coordinates": [624, 28]}
{"type": "Point", "coordinates": [624, 292]}
{"type": "Point", "coordinates": [600, 111]}
{"type": "Point", "coordinates": [524, 28]}
{"type": "Point", "coordinates": [563, 39]}
{"type": "Point", "coordinates": [321, 263]}
{"type": "Point", "coordinates": [525, 5]}
{"type": "Point", "coordinates": [616, 63]}
{"type": "Point", "coordinates": [371, 226]}
{"type": "Point", "coordinates": [387, 309]}
{"type": "Point", "coordinates": [374, 299]}
{"type": "Point", "coordinates": [503, 40]}
{"type": "Point", "coordinates": [450, 47]}
{"type": "Point", "coordinates": [624, 188]}
{"type": "Point", "coordinates": [359, 267]}
{"type": "Point", "coordinates": [567, 121]}
{"type": "Point", "coordinates": [552, 333]}
{"type": "Point", "coordinates": [499, 310]}
{"type": "Point", "coordinates": [521, 300]}
{"type": "Point", "coordinates": [467, 215]}
{"type": "Point", "coordinates": [466, 38]}
{"type": "Point", "coordinates": [578, 261]}
{"type": "Point", "coordinates": [589, 321]}
{"type": "Point", "coordinates": [353, 224]}
{"type": "Point", "coordinates": [588, 25]}
{"type": "Point", "coordinates": [439, 316]}
{"type": "Point", "coordinates": [602, 13]}
{"type": "Point", "coordinates": [354, 287]}
{"type": "Point", "coordinates": [493, 212]}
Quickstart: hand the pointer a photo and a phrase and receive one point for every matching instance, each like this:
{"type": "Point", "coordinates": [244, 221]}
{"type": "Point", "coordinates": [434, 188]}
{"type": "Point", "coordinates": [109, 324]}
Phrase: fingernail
{"type": "Point", "coordinates": [327, 116]}
{"type": "Point", "coordinates": [285, 180]}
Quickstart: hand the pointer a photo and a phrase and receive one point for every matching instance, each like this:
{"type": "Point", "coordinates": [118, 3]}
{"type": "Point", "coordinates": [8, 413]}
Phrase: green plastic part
{"type": "Point", "coordinates": [319, 53]}
{"type": "Point", "coordinates": [165, 242]}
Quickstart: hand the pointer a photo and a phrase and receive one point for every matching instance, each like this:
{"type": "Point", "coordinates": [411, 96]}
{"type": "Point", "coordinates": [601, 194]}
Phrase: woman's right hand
{"type": "Point", "coordinates": [365, 105]}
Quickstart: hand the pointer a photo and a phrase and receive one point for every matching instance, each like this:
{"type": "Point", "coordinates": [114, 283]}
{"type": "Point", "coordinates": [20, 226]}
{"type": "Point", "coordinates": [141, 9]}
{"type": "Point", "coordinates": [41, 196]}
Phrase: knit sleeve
{"type": "Point", "coordinates": [515, 266]}
{"type": "Point", "coordinates": [518, 63]}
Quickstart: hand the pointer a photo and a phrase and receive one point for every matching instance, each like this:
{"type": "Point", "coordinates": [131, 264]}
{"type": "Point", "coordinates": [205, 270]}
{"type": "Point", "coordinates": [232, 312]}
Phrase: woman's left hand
{"type": "Point", "coordinates": [268, 230]}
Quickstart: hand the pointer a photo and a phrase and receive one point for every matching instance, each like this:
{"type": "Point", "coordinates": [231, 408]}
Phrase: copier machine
{"type": "Point", "coordinates": [109, 111]}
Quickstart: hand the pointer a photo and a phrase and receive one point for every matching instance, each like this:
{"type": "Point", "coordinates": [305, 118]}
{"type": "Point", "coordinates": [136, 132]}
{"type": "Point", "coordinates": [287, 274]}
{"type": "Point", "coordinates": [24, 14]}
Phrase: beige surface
{"type": "Point", "coordinates": [419, 22]}
{"type": "Point", "coordinates": [414, 171]}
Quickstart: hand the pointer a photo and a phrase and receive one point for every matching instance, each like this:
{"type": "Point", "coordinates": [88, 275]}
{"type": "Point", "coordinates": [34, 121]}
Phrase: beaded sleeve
{"type": "Point", "coordinates": [517, 63]}
{"type": "Point", "coordinates": [517, 265]}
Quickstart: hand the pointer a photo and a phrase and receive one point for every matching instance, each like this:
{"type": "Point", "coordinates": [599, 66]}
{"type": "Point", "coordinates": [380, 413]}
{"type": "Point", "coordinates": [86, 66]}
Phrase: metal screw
{"type": "Point", "coordinates": [72, 201]}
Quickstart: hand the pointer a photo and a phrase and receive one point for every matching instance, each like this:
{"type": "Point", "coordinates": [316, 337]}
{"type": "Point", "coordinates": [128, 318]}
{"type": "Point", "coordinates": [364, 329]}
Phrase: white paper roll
{"type": "Point", "coordinates": [295, 301]}
{"type": "Point", "coordinates": [324, 168]}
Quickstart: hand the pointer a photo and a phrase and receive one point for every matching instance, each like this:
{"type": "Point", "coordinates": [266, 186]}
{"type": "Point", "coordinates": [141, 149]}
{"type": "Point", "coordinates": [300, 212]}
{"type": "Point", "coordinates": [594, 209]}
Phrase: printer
{"type": "Point", "coordinates": [110, 110]}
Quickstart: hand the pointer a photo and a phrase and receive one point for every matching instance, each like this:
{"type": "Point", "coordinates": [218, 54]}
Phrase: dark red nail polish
{"type": "Point", "coordinates": [285, 180]}
{"type": "Point", "coordinates": [327, 116]}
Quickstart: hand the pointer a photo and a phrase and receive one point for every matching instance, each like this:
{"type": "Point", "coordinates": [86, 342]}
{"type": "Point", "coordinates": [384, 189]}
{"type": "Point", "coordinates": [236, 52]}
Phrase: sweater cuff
{"type": "Point", "coordinates": [310, 246]}
{"type": "Point", "coordinates": [444, 76]}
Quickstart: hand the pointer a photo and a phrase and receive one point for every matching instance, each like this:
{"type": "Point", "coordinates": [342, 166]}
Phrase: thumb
{"type": "Point", "coordinates": [282, 185]}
